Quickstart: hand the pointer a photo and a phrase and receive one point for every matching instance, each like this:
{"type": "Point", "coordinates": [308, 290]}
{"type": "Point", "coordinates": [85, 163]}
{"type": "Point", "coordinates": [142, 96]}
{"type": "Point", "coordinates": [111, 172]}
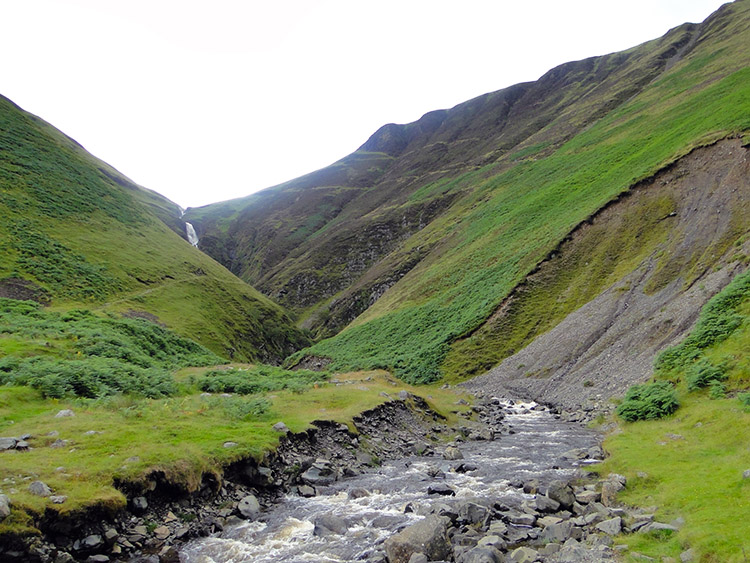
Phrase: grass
{"type": "Point", "coordinates": [182, 436]}
{"type": "Point", "coordinates": [523, 214]}
{"type": "Point", "coordinates": [90, 238]}
{"type": "Point", "coordinates": [690, 464]}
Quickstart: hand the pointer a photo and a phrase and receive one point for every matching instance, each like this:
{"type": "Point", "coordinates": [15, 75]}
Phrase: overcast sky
{"type": "Point", "coordinates": [204, 101]}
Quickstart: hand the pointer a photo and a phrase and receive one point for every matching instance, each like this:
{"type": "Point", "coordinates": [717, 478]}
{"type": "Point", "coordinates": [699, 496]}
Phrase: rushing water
{"type": "Point", "coordinates": [192, 236]}
{"type": "Point", "coordinates": [285, 533]}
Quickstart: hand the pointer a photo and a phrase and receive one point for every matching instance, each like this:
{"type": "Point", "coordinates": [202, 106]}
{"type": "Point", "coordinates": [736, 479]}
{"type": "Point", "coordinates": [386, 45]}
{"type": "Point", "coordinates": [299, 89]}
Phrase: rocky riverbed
{"type": "Point", "coordinates": [510, 485]}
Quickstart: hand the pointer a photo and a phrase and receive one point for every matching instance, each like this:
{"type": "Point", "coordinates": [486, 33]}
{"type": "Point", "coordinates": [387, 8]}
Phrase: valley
{"type": "Point", "coordinates": [520, 277]}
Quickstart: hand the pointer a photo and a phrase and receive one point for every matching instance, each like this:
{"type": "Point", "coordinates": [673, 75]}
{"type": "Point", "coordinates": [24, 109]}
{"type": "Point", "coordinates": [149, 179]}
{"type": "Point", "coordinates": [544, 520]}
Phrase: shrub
{"type": "Point", "coordinates": [703, 373]}
{"type": "Point", "coordinates": [258, 380]}
{"type": "Point", "coordinates": [648, 402]}
{"type": "Point", "coordinates": [744, 399]}
{"type": "Point", "coordinates": [717, 390]}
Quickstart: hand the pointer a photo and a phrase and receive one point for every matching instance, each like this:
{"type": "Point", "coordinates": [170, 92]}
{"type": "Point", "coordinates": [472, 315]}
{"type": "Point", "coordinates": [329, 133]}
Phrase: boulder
{"type": "Point", "coordinates": [58, 499]}
{"type": "Point", "coordinates": [610, 527]}
{"type": "Point", "coordinates": [139, 504]}
{"type": "Point", "coordinates": [306, 491]}
{"type": "Point", "coordinates": [91, 543]}
{"type": "Point", "coordinates": [65, 413]}
{"type": "Point", "coordinates": [559, 532]}
{"type": "Point", "coordinates": [4, 507]}
{"type": "Point", "coordinates": [320, 473]}
{"type": "Point", "coordinates": [161, 533]}
{"type": "Point", "coordinates": [329, 524]}
{"type": "Point", "coordinates": [561, 492]}
{"type": "Point", "coordinates": [428, 536]}
{"type": "Point", "coordinates": [7, 443]}
{"type": "Point", "coordinates": [452, 453]}
{"type": "Point", "coordinates": [524, 555]}
{"type": "Point", "coordinates": [441, 489]}
{"type": "Point", "coordinates": [358, 492]}
{"type": "Point", "coordinates": [481, 554]}
{"type": "Point", "coordinates": [280, 427]}
{"type": "Point", "coordinates": [688, 556]}
{"type": "Point", "coordinates": [249, 507]}
{"type": "Point", "coordinates": [418, 558]}
{"type": "Point", "coordinates": [472, 513]}
{"type": "Point", "coordinates": [39, 489]}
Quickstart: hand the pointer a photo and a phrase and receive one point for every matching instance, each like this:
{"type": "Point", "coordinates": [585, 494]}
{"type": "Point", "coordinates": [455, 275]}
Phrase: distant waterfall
{"type": "Point", "coordinates": [192, 236]}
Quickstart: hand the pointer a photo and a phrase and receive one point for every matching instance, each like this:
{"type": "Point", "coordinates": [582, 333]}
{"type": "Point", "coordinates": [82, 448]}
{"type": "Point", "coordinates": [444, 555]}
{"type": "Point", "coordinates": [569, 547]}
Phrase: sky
{"type": "Point", "coordinates": [204, 101]}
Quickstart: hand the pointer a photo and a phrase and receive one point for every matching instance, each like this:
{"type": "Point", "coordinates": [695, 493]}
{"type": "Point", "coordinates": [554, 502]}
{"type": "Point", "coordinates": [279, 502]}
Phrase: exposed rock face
{"type": "Point", "coordinates": [653, 305]}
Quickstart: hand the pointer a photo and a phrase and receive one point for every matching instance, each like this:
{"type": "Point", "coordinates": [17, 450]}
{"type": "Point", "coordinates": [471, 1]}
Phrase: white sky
{"type": "Point", "coordinates": [204, 100]}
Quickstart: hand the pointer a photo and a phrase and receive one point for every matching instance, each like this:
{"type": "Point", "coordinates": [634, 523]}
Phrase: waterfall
{"type": "Point", "coordinates": [192, 236]}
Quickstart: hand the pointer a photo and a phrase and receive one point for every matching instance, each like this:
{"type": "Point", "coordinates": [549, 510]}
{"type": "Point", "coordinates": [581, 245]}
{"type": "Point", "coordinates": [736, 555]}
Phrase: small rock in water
{"type": "Point", "coordinates": [249, 507]}
{"type": "Point", "coordinates": [441, 489]}
{"type": "Point", "coordinates": [329, 524]}
{"type": "Point", "coordinates": [40, 489]}
{"type": "Point", "coordinates": [306, 491]}
{"type": "Point", "coordinates": [65, 413]}
{"type": "Point", "coordinates": [452, 453]}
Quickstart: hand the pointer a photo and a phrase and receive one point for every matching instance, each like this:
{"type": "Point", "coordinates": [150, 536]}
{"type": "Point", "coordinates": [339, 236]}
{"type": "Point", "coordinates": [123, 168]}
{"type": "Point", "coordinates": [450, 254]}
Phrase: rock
{"type": "Point", "coordinates": [418, 557]}
{"type": "Point", "coordinates": [520, 518]}
{"type": "Point", "coordinates": [65, 413]}
{"type": "Point", "coordinates": [472, 513]}
{"type": "Point", "coordinates": [524, 555]}
{"type": "Point", "coordinates": [441, 489]}
{"type": "Point", "coordinates": [688, 556]}
{"type": "Point", "coordinates": [559, 532]}
{"type": "Point", "coordinates": [329, 524]}
{"type": "Point", "coordinates": [249, 507]}
{"type": "Point", "coordinates": [452, 453]}
{"type": "Point", "coordinates": [482, 554]}
{"type": "Point", "coordinates": [58, 499]}
{"type": "Point", "coordinates": [92, 543]}
{"type": "Point", "coordinates": [230, 444]}
{"type": "Point", "coordinates": [162, 532]}
{"type": "Point", "coordinates": [320, 473]}
{"type": "Point", "coordinates": [63, 557]}
{"type": "Point", "coordinates": [492, 540]}
{"type": "Point", "coordinates": [306, 491]}
{"type": "Point", "coordinates": [280, 427]}
{"type": "Point", "coordinates": [656, 526]}
{"type": "Point", "coordinates": [22, 445]}
{"type": "Point", "coordinates": [4, 507]}
{"type": "Point", "coordinates": [611, 527]}
{"type": "Point", "coordinates": [745, 474]}
{"type": "Point", "coordinates": [58, 443]}
{"type": "Point", "coordinates": [609, 492]}
{"type": "Point", "coordinates": [586, 497]}
{"type": "Point", "coordinates": [403, 395]}
{"type": "Point", "coordinates": [543, 504]}
{"type": "Point", "coordinates": [429, 536]}
{"type": "Point", "coordinates": [466, 467]}
{"type": "Point", "coordinates": [139, 504]}
{"type": "Point", "coordinates": [39, 489]}
{"type": "Point", "coordinates": [561, 492]}
{"type": "Point", "coordinates": [98, 558]}
{"type": "Point", "coordinates": [531, 487]}
{"type": "Point", "coordinates": [7, 443]}
{"type": "Point", "coordinates": [572, 552]}
{"type": "Point", "coordinates": [358, 492]}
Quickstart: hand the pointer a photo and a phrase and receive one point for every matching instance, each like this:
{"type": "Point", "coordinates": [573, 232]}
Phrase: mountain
{"type": "Point", "coordinates": [434, 249]}
{"type": "Point", "coordinates": [78, 234]}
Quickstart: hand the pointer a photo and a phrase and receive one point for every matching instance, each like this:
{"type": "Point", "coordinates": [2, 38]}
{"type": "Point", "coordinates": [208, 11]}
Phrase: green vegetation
{"type": "Point", "coordinates": [84, 235]}
{"type": "Point", "coordinates": [524, 213]}
{"type": "Point", "coordinates": [648, 402]}
{"type": "Point", "coordinates": [182, 436]}
{"type": "Point", "coordinates": [260, 379]}
{"type": "Point", "coordinates": [691, 464]}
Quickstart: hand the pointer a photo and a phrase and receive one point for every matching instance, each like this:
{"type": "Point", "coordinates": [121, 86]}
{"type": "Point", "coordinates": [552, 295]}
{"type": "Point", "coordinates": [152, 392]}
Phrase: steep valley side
{"type": "Point", "coordinates": [627, 283]}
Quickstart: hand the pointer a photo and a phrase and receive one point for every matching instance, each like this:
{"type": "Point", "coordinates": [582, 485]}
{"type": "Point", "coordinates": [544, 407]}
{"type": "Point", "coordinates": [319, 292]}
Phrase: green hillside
{"type": "Point", "coordinates": [76, 233]}
{"type": "Point", "coordinates": [514, 212]}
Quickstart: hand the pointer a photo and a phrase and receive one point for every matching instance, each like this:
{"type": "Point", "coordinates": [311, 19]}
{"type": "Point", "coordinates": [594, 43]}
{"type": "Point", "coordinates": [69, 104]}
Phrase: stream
{"type": "Point", "coordinates": [395, 494]}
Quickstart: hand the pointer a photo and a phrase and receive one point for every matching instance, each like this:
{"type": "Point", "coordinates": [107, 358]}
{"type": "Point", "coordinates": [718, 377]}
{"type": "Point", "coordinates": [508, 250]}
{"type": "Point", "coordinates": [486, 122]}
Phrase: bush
{"type": "Point", "coordinates": [717, 390]}
{"type": "Point", "coordinates": [648, 402]}
{"type": "Point", "coordinates": [744, 399]}
{"type": "Point", "coordinates": [258, 380]}
{"type": "Point", "coordinates": [703, 373]}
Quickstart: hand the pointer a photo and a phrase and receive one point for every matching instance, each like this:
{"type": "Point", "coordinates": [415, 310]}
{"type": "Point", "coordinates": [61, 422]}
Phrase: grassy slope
{"type": "Point", "coordinates": [513, 219]}
{"type": "Point", "coordinates": [86, 235]}
{"type": "Point", "coordinates": [690, 464]}
{"type": "Point", "coordinates": [182, 436]}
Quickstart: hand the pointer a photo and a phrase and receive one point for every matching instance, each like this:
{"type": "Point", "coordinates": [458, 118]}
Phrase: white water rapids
{"type": "Point", "coordinates": [285, 532]}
